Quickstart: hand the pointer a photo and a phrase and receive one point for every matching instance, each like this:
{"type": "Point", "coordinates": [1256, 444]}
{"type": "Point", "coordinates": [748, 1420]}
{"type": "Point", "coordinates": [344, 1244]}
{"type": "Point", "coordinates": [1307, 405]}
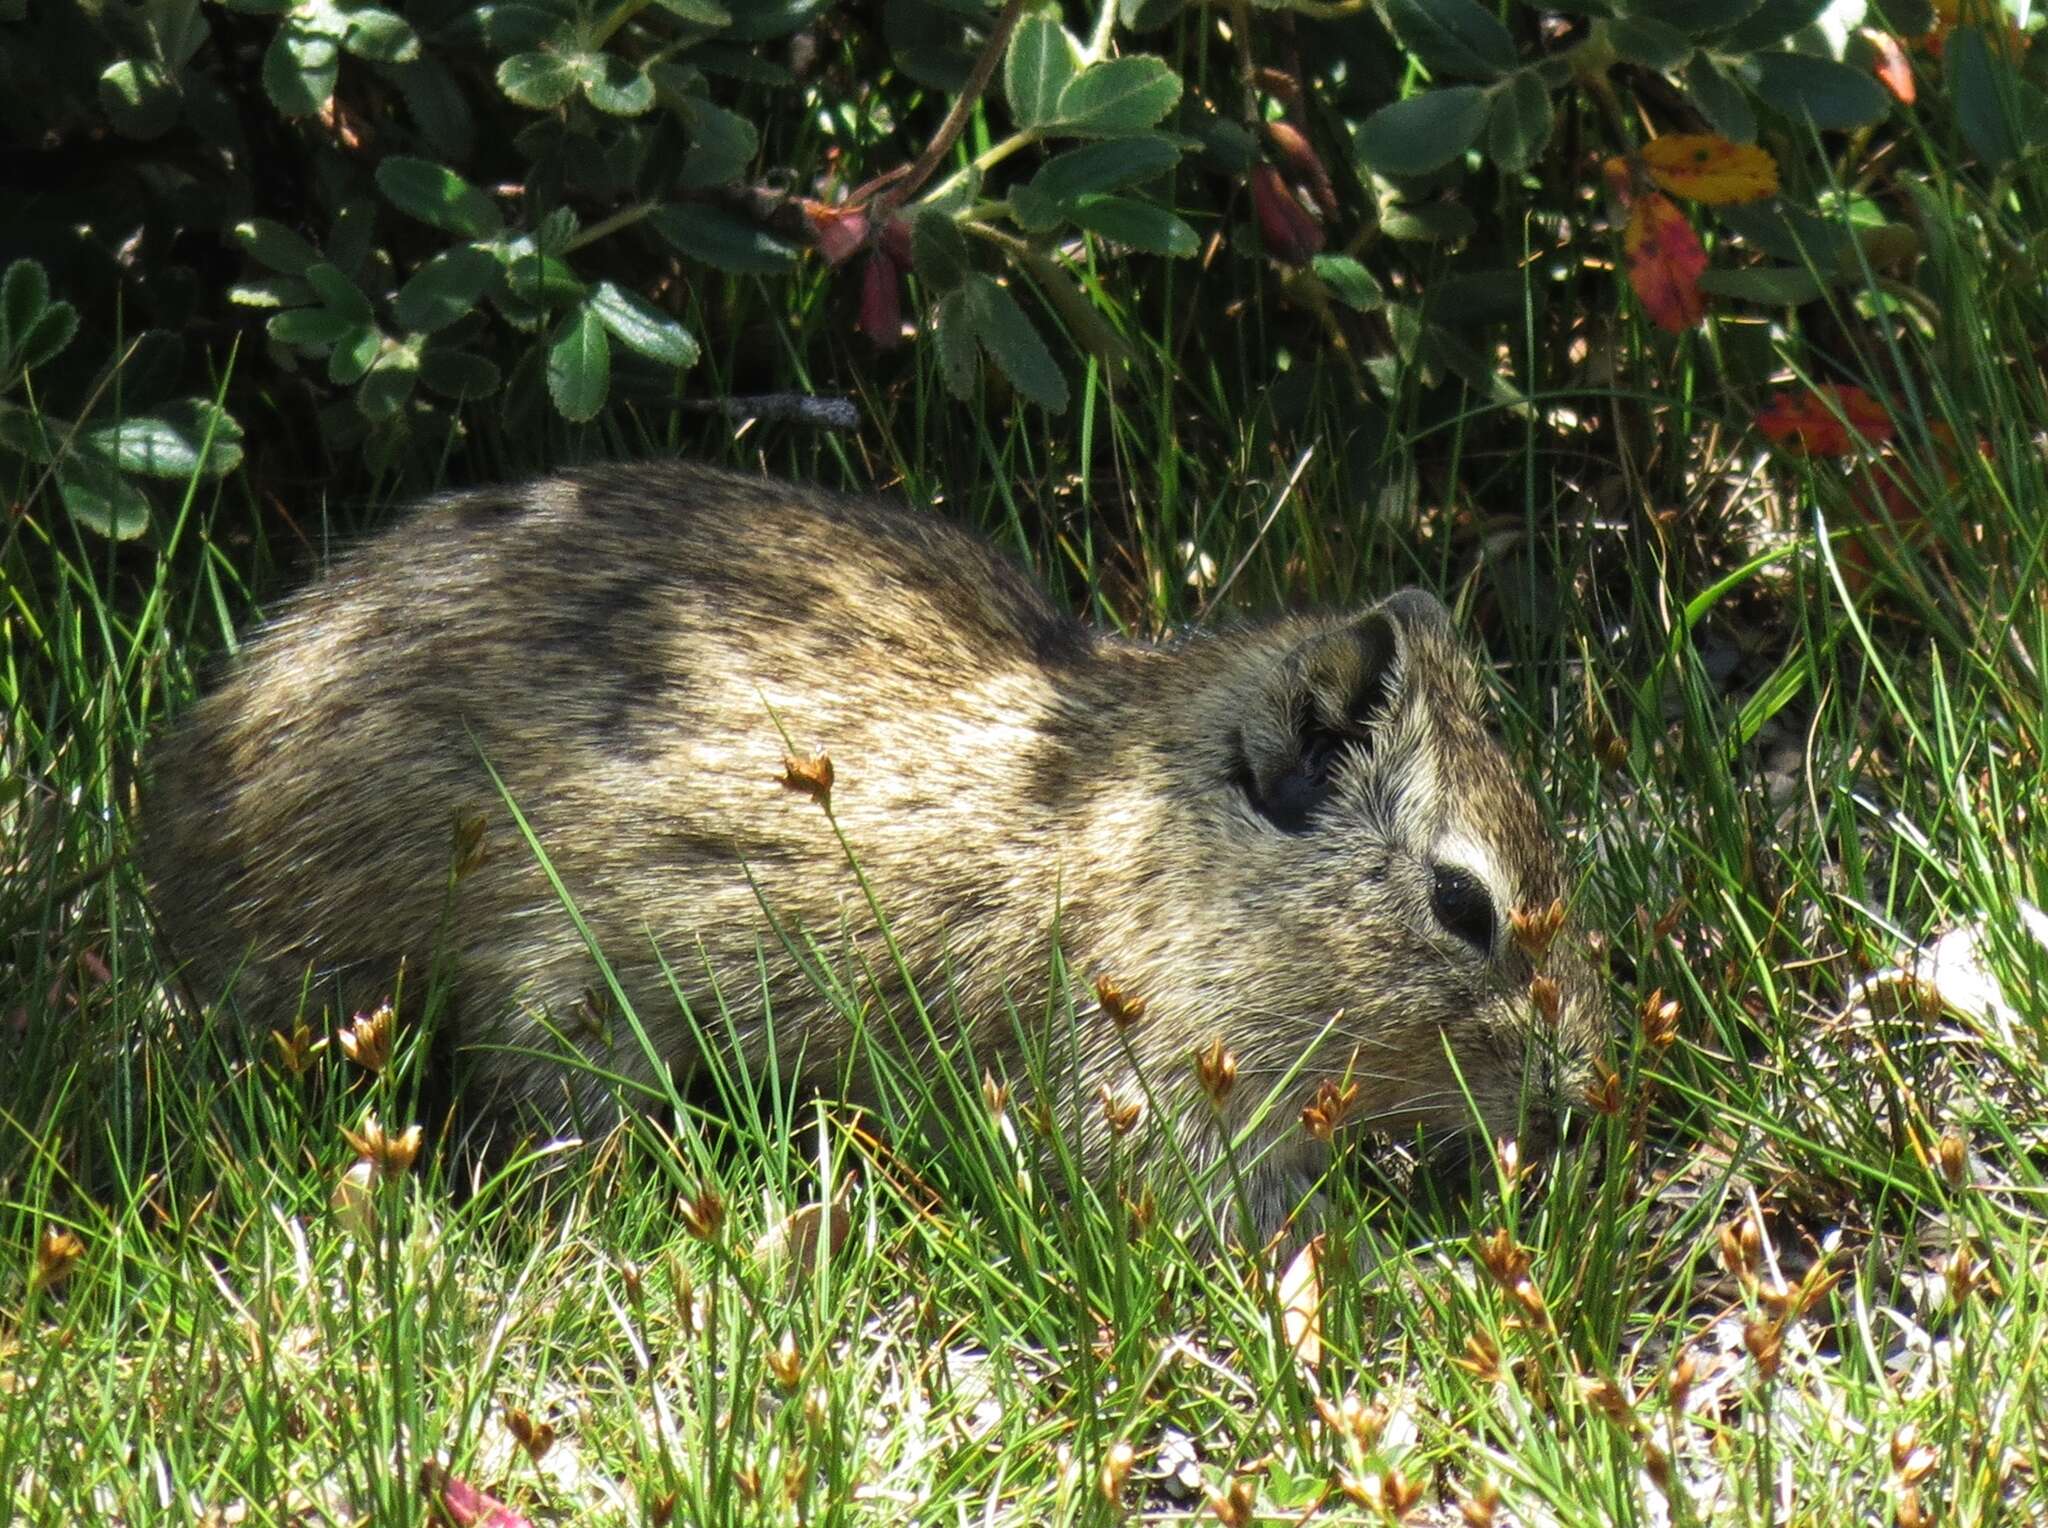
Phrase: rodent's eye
{"type": "Point", "coordinates": [1461, 904]}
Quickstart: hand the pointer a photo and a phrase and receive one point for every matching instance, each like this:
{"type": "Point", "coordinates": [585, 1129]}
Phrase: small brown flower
{"type": "Point", "coordinates": [995, 1096]}
{"type": "Point", "coordinates": [1482, 1508]}
{"type": "Point", "coordinates": [1742, 1244]}
{"type": "Point", "coordinates": [1548, 997]}
{"type": "Point", "coordinates": [1354, 1420]}
{"type": "Point", "coordinates": [1679, 1382]}
{"type": "Point", "coordinates": [535, 1437]}
{"type": "Point", "coordinates": [1124, 1008]}
{"type": "Point", "coordinates": [57, 1254]}
{"type": "Point", "coordinates": [1120, 1114]}
{"type": "Point", "coordinates": [1912, 1460]}
{"type": "Point", "coordinates": [1765, 1340]}
{"type": "Point", "coordinates": [1116, 1469]}
{"type": "Point", "coordinates": [1609, 1399]}
{"type": "Point", "coordinates": [367, 1041]}
{"type": "Point", "coordinates": [1659, 1015]}
{"type": "Point", "coordinates": [390, 1156]}
{"type": "Point", "coordinates": [704, 1213]}
{"type": "Point", "coordinates": [1216, 1070]}
{"type": "Point", "coordinates": [1328, 1108]}
{"type": "Point", "coordinates": [662, 1510]}
{"type": "Point", "coordinates": [1535, 928]}
{"type": "Point", "coordinates": [294, 1050]}
{"type": "Point", "coordinates": [749, 1482]}
{"type": "Point", "coordinates": [808, 775]}
{"type": "Point", "coordinates": [1236, 1502]}
{"type": "Point", "coordinates": [1605, 1093]}
{"type": "Point", "coordinates": [1500, 1256]}
{"type": "Point", "coordinates": [1952, 1152]}
{"type": "Point", "coordinates": [1482, 1358]}
{"type": "Point", "coordinates": [785, 1363]}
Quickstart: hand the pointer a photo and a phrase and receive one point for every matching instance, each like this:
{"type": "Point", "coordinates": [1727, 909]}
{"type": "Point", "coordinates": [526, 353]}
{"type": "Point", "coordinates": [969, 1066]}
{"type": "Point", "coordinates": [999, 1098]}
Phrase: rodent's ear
{"type": "Point", "coordinates": [1322, 697]}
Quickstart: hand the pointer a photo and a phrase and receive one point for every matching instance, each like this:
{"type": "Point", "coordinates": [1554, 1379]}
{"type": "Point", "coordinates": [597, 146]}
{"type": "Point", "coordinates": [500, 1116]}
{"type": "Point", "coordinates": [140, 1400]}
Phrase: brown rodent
{"type": "Point", "coordinates": [1296, 837]}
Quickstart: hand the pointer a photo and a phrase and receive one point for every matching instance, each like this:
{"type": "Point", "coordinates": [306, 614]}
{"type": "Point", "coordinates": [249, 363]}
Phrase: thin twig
{"type": "Point", "coordinates": [900, 185]}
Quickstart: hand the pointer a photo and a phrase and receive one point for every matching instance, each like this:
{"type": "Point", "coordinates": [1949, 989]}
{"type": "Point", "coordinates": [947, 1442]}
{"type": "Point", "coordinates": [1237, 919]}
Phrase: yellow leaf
{"type": "Point", "coordinates": [1710, 169]}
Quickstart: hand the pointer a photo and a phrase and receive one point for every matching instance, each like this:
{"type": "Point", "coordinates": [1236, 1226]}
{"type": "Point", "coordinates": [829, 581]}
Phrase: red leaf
{"type": "Point", "coordinates": [1807, 423]}
{"type": "Point", "coordinates": [1290, 234]}
{"type": "Point", "coordinates": [839, 232]}
{"type": "Point", "coordinates": [1664, 263]}
{"type": "Point", "coordinates": [1891, 66]}
{"type": "Point", "coordinates": [881, 300]}
{"type": "Point", "coordinates": [464, 1505]}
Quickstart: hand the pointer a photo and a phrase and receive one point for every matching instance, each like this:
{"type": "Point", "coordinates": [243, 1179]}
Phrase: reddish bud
{"type": "Point", "coordinates": [839, 232]}
{"type": "Point", "coordinates": [1290, 234]}
{"type": "Point", "coordinates": [881, 300]}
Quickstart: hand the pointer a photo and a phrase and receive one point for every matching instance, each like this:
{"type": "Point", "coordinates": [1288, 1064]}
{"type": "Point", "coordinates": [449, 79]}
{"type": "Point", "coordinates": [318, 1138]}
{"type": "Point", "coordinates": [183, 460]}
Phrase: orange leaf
{"type": "Point", "coordinates": [1808, 423]}
{"type": "Point", "coordinates": [1710, 169]}
{"type": "Point", "coordinates": [1664, 263]}
{"type": "Point", "coordinates": [1892, 68]}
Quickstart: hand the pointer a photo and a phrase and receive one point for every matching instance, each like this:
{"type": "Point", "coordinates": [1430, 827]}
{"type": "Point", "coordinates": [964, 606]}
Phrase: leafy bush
{"type": "Point", "coordinates": [544, 206]}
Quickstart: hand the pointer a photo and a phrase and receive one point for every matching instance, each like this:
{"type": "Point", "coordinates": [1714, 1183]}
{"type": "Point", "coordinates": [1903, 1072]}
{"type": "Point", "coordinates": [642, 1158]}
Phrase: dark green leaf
{"type": "Point", "coordinates": [1787, 232]}
{"type": "Point", "coordinates": [354, 354]}
{"type": "Point", "coordinates": [309, 328]}
{"type": "Point", "coordinates": [939, 251]}
{"type": "Point", "coordinates": [1650, 42]}
{"type": "Point", "coordinates": [1037, 68]}
{"type": "Point", "coordinates": [1352, 282]}
{"type": "Point", "coordinates": [1833, 95]}
{"type": "Point", "coordinates": [702, 12]}
{"type": "Point", "coordinates": [1518, 124]}
{"type": "Point", "coordinates": [1695, 18]}
{"type": "Point", "coordinates": [172, 443]}
{"type": "Point", "coordinates": [44, 339]}
{"type": "Point", "coordinates": [24, 298]}
{"type": "Point", "coordinates": [437, 196]}
{"type": "Point", "coordinates": [2000, 115]}
{"type": "Point", "coordinates": [1424, 132]}
{"type": "Point", "coordinates": [615, 85]}
{"type": "Point", "coordinates": [1723, 101]}
{"type": "Point", "coordinates": [139, 97]}
{"type": "Point", "coordinates": [640, 326]}
{"type": "Point", "coordinates": [388, 383]}
{"type": "Point", "coordinates": [299, 69]}
{"type": "Point", "coordinates": [580, 367]}
{"type": "Point", "coordinates": [722, 144]}
{"type": "Point", "coordinates": [954, 324]}
{"type": "Point", "coordinates": [445, 288]}
{"type": "Point", "coordinates": [1454, 37]}
{"type": "Point", "coordinates": [1118, 98]}
{"type": "Point", "coordinates": [438, 105]}
{"type": "Point", "coordinates": [379, 35]}
{"type": "Point", "coordinates": [1428, 222]}
{"type": "Point", "coordinates": [1014, 344]}
{"type": "Point", "coordinates": [721, 240]}
{"type": "Point", "coordinates": [1145, 15]}
{"type": "Point", "coordinates": [100, 499]}
{"type": "Point", "coordinates": [457, 374]}
{"type": "Point", "coordinates": [540, 80]}
{"type": "Point", "coordinates": [276, 246]}
{"type": "Point", "coordinates": [1139, 224]}
{"type": "Point", "coordinates": [543, 282]}
{"type": "Point", "coordinates": [1108, 166]}
{"type": "Point", "coordinates": [338, 292]}
{"type": "Point", "coordinates": [1771, 22]}
{"type": "Point", "coordinates": [1778, 286]}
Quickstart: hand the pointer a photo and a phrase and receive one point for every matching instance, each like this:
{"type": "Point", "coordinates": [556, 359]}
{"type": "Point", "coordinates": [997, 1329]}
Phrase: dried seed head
{"type": "Point", "coordinates": [1548, 997]}
{"type": "Point", "coordinates": [535, 1437]}
{"type": "Point", "coordinates": [1765, 1340]}
{"type": "Point", "coordinates": [1534, 928]}
{"type": "Point", "coordinates": [1912, 1460]}
{"type": "Point", "coordinates": [749, 1482]}
{"type": "Point", "coordinates": [1507, 1157]}
{"type": "Point", "coordinates": [1507, 1262]}
{"type": "Point", "coordinates": [808, 775]}
{"type": "Point", "coordinates": [1609, 1399]}
{"type": "Point", "coordinates": [367, 1041]}
{"type": "Point", "coordinates": [1235, 1503]}
{"type": "Point", "coordinates": [1667, 924]}
{"type": "Point", "coordinates": [1742, 1242]}
{"type": "Point", "coordinates": [1911, 1513]}
{"type": "Point", "coordinates": [390, 1156]}
{"type": "Point", "coordinates": [57, 1254]}
{"type": "Point", "coordinates": [1119, 1115]}
{"type": "Point", "coordinates": [1143, 1210]}
{"type": "Point", "coordinates": [1964, 1273]}
{"type": "Point", "coordinates": [1482, 1508]}
{"type": "Point", "coordinates": [1659, 1016]}
{"type": "Point", "coordinates": [785, 1363]}
{"type": "Point", "coordinates": [1327, 1110]}
{"type": "Point", "coordinates": [1216, 1070]}
{"type": "Point", "coordinates": [1952, 1152]}
{"type": "Point", "coordinates": [1679, 1382]}
{"type": "Point", "coordinates": [1605, 1093]}
{"type": "Point", "coordinates": [294, 1050]}
{"type": "Point", "coordinates": [1353, 1420]}
{"type": "Point", "coordinates": [1482, 1358]}
{"type": "Point", "coordinates": [1124, 1008]}
{"type": "Point", "coordinates": [1399, 1494]}
{"type": "Point", "coordinates": [995, 1095]}
{"type": "Point", "coordinates": [1657, 1465]}
{"type": "Point", "coordinates": [1116, 1469]}
{"type": "Point", "coordinates": [704, 1214]}
{"type": "Point", "coordinates": [662, 1510]}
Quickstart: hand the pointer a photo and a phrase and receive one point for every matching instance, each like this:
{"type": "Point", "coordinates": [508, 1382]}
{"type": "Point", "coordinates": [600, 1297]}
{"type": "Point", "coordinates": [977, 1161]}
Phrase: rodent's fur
{"type": "Point", "coordinates": [1261, 834]}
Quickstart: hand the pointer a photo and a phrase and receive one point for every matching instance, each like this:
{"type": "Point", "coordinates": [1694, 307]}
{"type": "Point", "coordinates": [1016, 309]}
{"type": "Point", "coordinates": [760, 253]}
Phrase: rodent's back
{"type": "Point", "coordinates": [1296, 839]}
